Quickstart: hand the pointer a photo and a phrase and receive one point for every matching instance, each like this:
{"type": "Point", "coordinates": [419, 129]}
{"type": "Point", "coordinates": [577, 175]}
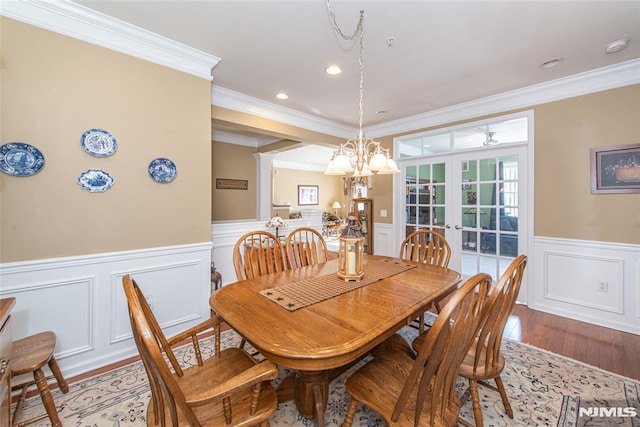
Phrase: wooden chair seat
{"type": "Point", "coordinates": [482, 370]}
{"type": "Point", "coordinates": [221, 374]}
{"type": "Point", "coordinates": [30, 355]}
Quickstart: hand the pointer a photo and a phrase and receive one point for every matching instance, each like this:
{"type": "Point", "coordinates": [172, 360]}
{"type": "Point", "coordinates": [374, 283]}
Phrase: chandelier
{"type": "Point", "coordinates": [370, 157]}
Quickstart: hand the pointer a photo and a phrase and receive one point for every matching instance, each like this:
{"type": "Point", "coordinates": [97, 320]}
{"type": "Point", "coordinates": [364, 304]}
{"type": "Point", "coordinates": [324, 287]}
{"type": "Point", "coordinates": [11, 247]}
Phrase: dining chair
{"type": "Point", "coordinates": [257, 253]}
{"type": "Point", "coordinates": [428, 247]}
{"type": "Point", "coordinates": [305, 246]}
{"type": "Point", "coordinates": [228, 388]}
{"type": "Point", "coordinates": [484, 361]}
{"type": "Point", "coordinates": [28, 356]}
{"type": "Point", "coordinates": [422, 391]}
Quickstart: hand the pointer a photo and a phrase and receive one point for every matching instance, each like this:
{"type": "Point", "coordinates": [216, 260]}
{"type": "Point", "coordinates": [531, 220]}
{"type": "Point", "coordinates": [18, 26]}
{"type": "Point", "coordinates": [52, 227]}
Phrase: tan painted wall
{"type": "Point", "coordinates": [565, 132]}
{"type": "Point", "coordinates": [230, 161]}
{"type": "Point", "coordinates": [53, 88]}
{"type": "Point", "coordinates": [285, 188]}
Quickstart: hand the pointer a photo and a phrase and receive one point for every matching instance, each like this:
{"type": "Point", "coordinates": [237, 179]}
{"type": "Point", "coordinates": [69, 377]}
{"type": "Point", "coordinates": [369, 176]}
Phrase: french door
{"type": "Point", "coordinates": [476, 199]}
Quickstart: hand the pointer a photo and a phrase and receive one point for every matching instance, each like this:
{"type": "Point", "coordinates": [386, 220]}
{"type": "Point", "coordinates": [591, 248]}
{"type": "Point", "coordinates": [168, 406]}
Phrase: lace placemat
{"type": "Point", "coordinates": [296, 295]}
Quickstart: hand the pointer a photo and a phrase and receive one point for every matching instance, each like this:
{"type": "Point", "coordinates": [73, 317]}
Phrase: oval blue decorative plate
{"type": "Point", "coordinates": [95, 180]}
{"type": "Point", "coordinates": [162, 170]}
{"type": "Point", "coordinates": [98, 143]}
{"type": "Point", "coordinates": [20, 159]}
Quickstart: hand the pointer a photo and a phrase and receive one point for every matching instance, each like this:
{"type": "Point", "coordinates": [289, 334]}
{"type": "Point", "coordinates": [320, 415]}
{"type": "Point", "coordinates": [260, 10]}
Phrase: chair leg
{"type": "Point", "coordinates": [475, 399]}
{"type": "Point", "coordinates": [505, 399]}
{"type": "Point", "coordinates": [47, 399]}
{"type": "Point", "coordinates": [351, 412]}
{"type": "Point", "coordinates": [55, 369]}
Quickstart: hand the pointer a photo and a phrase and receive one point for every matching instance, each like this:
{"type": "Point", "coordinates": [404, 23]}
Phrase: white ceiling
{"type": "Point", "coordinates": [444, 53]}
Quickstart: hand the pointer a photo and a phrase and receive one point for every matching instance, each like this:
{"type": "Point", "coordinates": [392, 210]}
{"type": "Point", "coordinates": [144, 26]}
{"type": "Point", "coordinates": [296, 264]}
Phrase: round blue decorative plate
{"type": "Point", "coordinates": [95, 180]}
{"type": "Point", "coordinates": [20, 159]}
{"type": "Point", "coordinates": [162, 170]}
{"type": "Point", "coordinates": [98, 143]}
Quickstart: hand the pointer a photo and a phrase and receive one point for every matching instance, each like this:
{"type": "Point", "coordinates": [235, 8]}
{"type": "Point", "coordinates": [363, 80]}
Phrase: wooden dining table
{"type": "Point", "coordinates": [319, 340]}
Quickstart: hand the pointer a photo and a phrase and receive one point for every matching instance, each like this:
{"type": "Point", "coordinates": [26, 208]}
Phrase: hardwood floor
{"type": "Point", "coordinates": [606, 348]}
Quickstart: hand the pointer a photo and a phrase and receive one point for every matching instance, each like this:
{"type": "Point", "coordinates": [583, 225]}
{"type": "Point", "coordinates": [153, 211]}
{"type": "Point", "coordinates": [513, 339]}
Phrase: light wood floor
{"type": "Point", "coordinates": [609, 349]}
{"type": "Point", "coordinates": [605, 348]}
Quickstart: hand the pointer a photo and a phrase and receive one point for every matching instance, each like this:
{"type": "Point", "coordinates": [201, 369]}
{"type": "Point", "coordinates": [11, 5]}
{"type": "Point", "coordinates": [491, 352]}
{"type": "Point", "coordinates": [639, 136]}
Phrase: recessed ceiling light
{"type": "Point", "coordinates": [617, 46]}
{"type": "Point", "coordinates": [333, 70]}
{"type": "Point", "coordinates": [282, 95]}
{"type": "Point", "coordinates": [551, 63]}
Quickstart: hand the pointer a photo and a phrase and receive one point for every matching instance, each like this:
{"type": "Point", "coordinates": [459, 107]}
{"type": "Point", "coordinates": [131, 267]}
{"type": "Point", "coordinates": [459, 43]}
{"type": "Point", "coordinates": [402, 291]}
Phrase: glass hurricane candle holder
{"type": "Point", "coordinates": [351, 258]}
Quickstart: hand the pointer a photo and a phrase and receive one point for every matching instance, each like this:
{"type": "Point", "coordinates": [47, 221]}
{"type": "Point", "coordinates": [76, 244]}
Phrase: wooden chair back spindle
{"type": "Point", "coordinates": [426, 246]}
{"type": "Point", "coordinates": [258, 253]}
{"type": "Point", "coordinates": [305, 246]}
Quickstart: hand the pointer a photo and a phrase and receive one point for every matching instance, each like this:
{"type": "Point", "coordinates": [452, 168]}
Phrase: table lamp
{"type": "Point", "coordinates": [336, 206]}
{"type": "Point", "coordinates": [276, 222]}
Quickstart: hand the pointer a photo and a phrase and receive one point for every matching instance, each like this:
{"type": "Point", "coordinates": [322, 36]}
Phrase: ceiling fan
{"type": "Point", "coordinates": [490, 141]}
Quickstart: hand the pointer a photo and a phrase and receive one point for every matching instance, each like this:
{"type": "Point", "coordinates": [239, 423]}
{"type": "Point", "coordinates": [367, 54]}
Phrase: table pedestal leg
{"type": "Point", "coordinates": [311, 394]}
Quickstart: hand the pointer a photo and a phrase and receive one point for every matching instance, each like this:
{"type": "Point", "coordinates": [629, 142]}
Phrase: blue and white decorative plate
{"type": "Point", "coordinates": [98, 143]}
{"type": "Point", "coordinates": [162, 170]}
{"type": "Point", "coordinates": [95, 180]}
{"type": "Point", "coordinates": [20, 159]}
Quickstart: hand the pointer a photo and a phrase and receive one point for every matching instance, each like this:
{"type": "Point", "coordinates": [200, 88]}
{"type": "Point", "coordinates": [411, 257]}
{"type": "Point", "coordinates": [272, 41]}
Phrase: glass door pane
{"type": "Point", "coordinates": [425, 197]}
{"type": "Point", "coordinates": [489, 208]}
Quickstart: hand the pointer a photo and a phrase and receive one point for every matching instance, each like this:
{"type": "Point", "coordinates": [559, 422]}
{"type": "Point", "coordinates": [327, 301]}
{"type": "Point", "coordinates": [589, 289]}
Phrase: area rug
{"type": "Point", "coordinates": [544, 389]}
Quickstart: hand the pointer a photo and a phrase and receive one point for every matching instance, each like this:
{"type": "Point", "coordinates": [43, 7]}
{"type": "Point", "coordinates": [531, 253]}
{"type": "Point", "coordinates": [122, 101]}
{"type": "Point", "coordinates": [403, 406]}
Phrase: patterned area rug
{"type": "Point", "coordinates": [544, 389]}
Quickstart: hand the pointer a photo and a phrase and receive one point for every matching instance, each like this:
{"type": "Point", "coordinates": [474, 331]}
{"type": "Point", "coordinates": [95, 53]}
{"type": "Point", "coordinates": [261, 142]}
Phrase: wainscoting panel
{"type": "Point", "coordinates": [383, 241]}
{"type": "Point", "coordinates": [82, 301]}
{"type": "Point", "coordinates": [34, 307]}
{"type": "Point", "coordinates": [595, 282]}
{"type": "Point", "coordinates": [585, 280]}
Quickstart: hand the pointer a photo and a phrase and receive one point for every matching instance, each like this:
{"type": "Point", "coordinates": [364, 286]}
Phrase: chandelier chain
{"type": "Point", "coordinates": [359, 32]}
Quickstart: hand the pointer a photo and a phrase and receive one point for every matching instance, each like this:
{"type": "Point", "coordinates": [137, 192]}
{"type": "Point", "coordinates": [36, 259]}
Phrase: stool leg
{"type": "Point", "coordinates": [55, 369]}
{"type": "Point", "coordinates": [47, 399]}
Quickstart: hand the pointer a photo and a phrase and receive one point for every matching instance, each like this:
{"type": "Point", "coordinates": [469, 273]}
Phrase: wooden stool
{"type": "Point", "coordinates": [30, 354]}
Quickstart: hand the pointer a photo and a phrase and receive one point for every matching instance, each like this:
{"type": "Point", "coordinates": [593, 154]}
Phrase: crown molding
{"type": "Point", "coordinates": [236, 101]}
{"type": "Point", "coordinates": [77, 21]}
{"type": "Point", "coordinates": [605, 78]}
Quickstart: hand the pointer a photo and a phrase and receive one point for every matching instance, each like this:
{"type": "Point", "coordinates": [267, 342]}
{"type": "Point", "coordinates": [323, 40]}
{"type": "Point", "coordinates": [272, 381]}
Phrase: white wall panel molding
{"type": "Point", "coordinates": [590, 281]}
{"type": "Point", "coordinates": [38, 296]}
{"type": "Point", "coordinates": [171, 310]}
{"type": "Point", "coordinates": [77, 21]}
{"type": "Point", "coordinates": [82, 301]}
{"type": "Point", "coordinates": [383, 240]}
{"type": "Point", "coordinates": [584, 280]}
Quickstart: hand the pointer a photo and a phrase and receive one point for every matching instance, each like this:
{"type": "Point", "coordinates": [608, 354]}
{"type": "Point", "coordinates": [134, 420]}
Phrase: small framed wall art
{"type": "Point", "coordinates": [615, 169]}
{"type": "Point", "coordinates": [307, 195]}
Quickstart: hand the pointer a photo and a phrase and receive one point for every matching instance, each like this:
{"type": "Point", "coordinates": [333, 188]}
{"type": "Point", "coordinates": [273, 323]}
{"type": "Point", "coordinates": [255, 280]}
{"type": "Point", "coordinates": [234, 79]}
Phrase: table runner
{"type": "Point", "coordinates": [295, 295]}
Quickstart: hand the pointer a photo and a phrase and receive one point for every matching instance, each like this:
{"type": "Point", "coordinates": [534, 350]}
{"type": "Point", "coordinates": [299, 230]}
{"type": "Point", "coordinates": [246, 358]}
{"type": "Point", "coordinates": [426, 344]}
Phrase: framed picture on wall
{"type": "Point", "coordinates": [307, 195]}
{"type": "Point", "coordinates": [615, 169]}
